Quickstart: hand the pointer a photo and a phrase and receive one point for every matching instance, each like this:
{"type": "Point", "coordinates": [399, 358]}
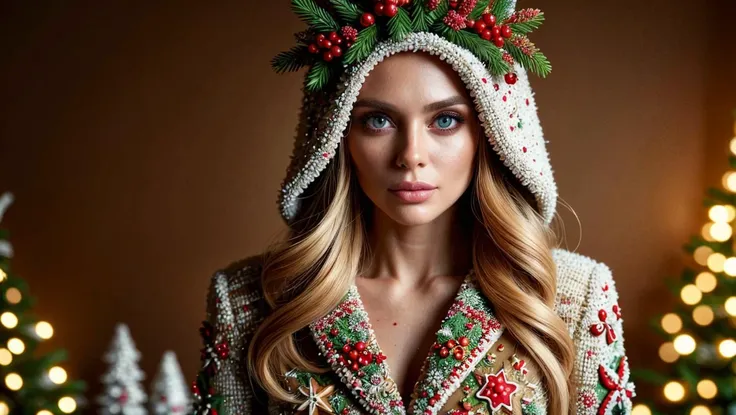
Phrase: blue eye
{"type": "Point", "coordinates": [444, 122]}
{"type": "Point", "coordinates": [377, 122]}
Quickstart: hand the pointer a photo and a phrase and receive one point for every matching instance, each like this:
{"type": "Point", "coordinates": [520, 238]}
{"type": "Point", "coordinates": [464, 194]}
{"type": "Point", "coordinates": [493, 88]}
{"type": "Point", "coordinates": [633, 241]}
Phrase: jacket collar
{"type": "Point", "coordinates": [346, 339]}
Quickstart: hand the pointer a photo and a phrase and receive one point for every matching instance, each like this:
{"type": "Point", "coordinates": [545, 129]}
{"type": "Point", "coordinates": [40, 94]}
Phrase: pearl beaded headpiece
{"type": "Point", "coordinates": [484, 41]}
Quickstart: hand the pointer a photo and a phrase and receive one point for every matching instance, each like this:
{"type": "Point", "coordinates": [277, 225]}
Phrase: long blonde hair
{"type": "Point", "coordinates": [306, 275]}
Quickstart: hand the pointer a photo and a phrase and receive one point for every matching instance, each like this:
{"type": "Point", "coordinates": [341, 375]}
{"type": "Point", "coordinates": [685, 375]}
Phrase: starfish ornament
{"type": "Point", "coordinates": [497, 390]}
{"type": "Point", "coordinates": [620, 390]}
{"type": "Point", "coordinates": [316, 398]}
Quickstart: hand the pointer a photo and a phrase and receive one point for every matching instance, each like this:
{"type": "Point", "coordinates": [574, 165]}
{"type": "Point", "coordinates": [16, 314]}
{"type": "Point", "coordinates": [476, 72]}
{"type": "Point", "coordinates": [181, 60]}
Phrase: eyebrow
{"type": "Point", "coordinates": [385, 106]}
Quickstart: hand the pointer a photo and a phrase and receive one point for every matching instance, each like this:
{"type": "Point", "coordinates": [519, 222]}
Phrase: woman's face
{"type": "Point", "coordinates": [413, 137]}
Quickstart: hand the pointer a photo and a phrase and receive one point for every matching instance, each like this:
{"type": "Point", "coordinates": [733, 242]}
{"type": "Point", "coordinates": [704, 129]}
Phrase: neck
{"type": "Point", "coordinates": [413, 255]}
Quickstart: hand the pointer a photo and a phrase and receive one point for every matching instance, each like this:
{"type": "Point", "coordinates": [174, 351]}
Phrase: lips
{"type": "Point", "coordinates": [413, 192]}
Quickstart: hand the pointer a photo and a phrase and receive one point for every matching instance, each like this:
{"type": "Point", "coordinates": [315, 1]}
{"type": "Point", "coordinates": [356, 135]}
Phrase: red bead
{"type": "Point", "coordinates": [360, 346]}
{"type": "Point", "coordinates": [464, 341]}
{"type": "Point", "coordinates": [336, 51]}
{"type": "Point", "coordinates": [486, 34]}
{"type": "Point", "coordinates": [444, 352]}
{"type": "Point", "coordinates": [498, 41]}
{"type": "Point", "coordinates": [496, 31]}
{"type": "Point", "coordinates": [602, 315]}
{"type": "Point", "coordinates": [451, 343]}
{"type": "Point", "coordinates": [480, 26]}
{"type": "Point", "coordinates": [391, 10]}
{"type": "Point", "coordinates": [379, 8]}
{"type": "Point", "coordinates": [489, 19]}
{"type": "Point", "coordinates": [506, 31]}
{"type": "Point", "coordinates": [334, 36]}
{"type": "Point", "coordinates": [432, 401]}
{"type": "Point", "coordinates": [213, 411]}
{"type": "Point", "coordinates": [367, 19]}
{"type": "Point", "coordinates": [424, 394]}
{"type": "Point", "coordinates": [334, 331]}
{"type": "Point", "coordinates": [510, 78]}
{"type": "Point", "coordinates": [346, 348]}
{"type": "Point", "coordinates": [355, 367]}
{"type": "Point", "coordinates": [354, 354]}
{"type": "Point", "coordinates": [313, 48]}
{"type": "Point", "coordinates": [327, 56]}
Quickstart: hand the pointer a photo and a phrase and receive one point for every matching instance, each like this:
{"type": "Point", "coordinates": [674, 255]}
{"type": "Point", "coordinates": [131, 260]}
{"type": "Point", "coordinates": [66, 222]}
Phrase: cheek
{"type": "Point", "coordinates": [368, 157]}
{"type": "Point", "coordinates": [455, 156]}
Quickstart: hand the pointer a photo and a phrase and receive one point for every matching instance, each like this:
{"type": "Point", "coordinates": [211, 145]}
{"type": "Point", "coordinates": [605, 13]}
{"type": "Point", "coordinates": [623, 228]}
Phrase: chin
{"type": "Point", "coordinates": [413, 214]}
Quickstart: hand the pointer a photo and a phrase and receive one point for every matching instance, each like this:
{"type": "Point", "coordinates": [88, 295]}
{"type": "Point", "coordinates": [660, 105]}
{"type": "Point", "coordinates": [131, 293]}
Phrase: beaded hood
{"type": "Point", "coordinates": [485, 42]}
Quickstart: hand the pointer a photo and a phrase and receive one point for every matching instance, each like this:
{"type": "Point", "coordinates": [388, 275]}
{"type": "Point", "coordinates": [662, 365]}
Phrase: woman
{"type": "Point", "coordinates": [420, 274]}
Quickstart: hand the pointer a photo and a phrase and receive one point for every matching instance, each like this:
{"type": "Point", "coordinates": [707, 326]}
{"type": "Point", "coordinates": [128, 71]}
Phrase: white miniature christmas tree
{"type": "Point", "coordinates": [123, 393]}
{"type": "Point", "coordinates": [170, 394]}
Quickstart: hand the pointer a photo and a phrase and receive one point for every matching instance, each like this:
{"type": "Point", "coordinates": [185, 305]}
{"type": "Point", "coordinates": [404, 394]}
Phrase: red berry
{"type": "Point", "coordinates": [391, 10]}
{"type": "Point", "coordinates": [327, 56]}
{"type": "Point", "coordinates": [489, 19]}
{"type": "Point", "coordinates": [367, 19]}
{"type": "Point", "coordinates": [355, 367]}
{"type": "Point", "coordinates": [334, 36]}
{"type": "Point", "coordinates": [314, 49]}
{"type": "Point", "coordinates": [498, 41]}
{"type": "Point", "coordinates": [432, 401]}
{"type": "Point", "coordinates": [379, 8]}
{"type": "Point", "coordinates": [464, 341]}
{"type": "Point", "coordinates": [396, 2]}
{"type": "Point", "coordinates": [360, 346]}
{"type": "Point", "coordinates": [354, 354]}
{"type": "Point", "coordinates": [506, 31]}
{"type": "Point", "coordinates": [320, 37]}
{"type": "Point", "coordinates": [444, 352]}
{"type": "Point", "coordinates": [496, 31]}
{"type": "Point", "coordinates": [325, 44]}
{"type": "Point", "coordinates": [451, 343]}
{"type": "Point", "coordinates": [486, 34]}
{"type": "Point", "coordinates": [336, 51]}
{"type": "Point", "coordinates": [453, 4]}
{"type": "Point", "coordinates": [338, 41]}
{"type": "Point", "coordinates": [510, 78]}
{"type": "Point", "coordinates": [470, 23]}
{"type": "Point", "coordinates": [480, 26]}
{"type": "Point", "coordinates": [346, 348]}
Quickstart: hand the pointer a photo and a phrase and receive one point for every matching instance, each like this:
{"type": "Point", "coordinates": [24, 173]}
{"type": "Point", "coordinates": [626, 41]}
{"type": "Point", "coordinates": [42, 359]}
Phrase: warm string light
{"type": "Point", "coordinates": [703, 315]}
{"type": "Point", "coordinates": [44, 330]}
{"type": "Point", "coordinates": [684, 344]}
{"type": "Point", "coordinates": [706, 282]}
{"type": "Point", "coordinates": [67, 404]}
{"type": "Point", "coordinates": [707, 389]}
{"type": "Point", "coordinates": [9, 320]}
{"type": "Point", "coordinates": [690, 294]}
{"type": "Point", "coordinates": [730, 306]}
{"type": "Point", "coordinates": [716, 262]}
{"type": "Point", "coordinates": [3, 275]}
{"type": "Point", "coordinates": [700, 410]}
{"type": "Point", "coordinates": [6, 357]}
{"type": "Point", "coordinates": [668, 353]}
{"type": "Point", "coordinates": [641, 409]}
{"type": "Point", "coordinates": [13, 295]}
{"type": "Point", "coordinates": [674, 391]}
{"type": "Point", "coordinates": [44, 412]}
{"type": "Point", "coordinates": [727, 348]}
{"type": "Point", "coordinates": [57, 375]}
{"type": "Point", "coordinates": [4, 409]}
{"type": "Point", "coordinates": [671, 323]}
{"type": "Point", "coordinates": [16, 345]}
{"type": "Point", "coordinates": [13, 381]}
{"type": "Point", "coordinates": [701, 255]}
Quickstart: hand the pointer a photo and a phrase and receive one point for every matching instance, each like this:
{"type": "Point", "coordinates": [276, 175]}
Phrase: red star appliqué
{"type": "Point", "coordinates": [620, 390]}
{"type": "Point", "coordinates": [497, 390]}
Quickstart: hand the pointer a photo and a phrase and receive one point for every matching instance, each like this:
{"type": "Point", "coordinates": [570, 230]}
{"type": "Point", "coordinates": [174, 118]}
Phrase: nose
{"type": "Point", "coordinates": [412, 147]}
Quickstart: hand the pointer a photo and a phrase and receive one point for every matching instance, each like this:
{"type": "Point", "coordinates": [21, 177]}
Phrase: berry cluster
{"type": "Point", "coordinates": [487, 28]}
{"type": "Point", "coordinates": [389, 8]}
{"type": "Point", "coordinates": [456, 347]}
{"type": "Point", "coordinates": [357, 356]}
{"type": "Point", "coordinates": [331, 44]}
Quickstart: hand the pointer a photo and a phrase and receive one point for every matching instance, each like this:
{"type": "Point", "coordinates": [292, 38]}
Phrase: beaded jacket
{"type": "Point", "coordinates": [474, 366]}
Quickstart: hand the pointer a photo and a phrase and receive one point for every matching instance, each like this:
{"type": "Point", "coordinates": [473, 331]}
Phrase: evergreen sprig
{"type": "Point", "coordinates": [501, 9]}
{"type": "Point", "coordinates": [436, 15]}
{"type": "Point", "coordinates": [399, 25]}
{"type": "Point", "coordinates": [486, 51]}
{"type": "Point", "coordinates": [318, 18]}
{"type": "Point", "coordinates": [363, 45]}
{"type": "Point", "coordinates": [535, 62]}
{"type": "Point", "coordinates": [292, 59]}
{"type": "Point", "coordinates": [419, 17]}
{"type": "Point", "coordinates": [319, 74]}
{"type": "Point", "coordinates": [527, 26]}
{"type": "Point", "coordinates": [348, 11]}
{"type": "Point", "coordinates": [478, 10]}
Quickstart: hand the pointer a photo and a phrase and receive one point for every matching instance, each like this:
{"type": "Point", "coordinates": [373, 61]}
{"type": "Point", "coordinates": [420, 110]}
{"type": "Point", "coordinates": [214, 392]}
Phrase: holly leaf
{"type": "Point", "coordinates": [318, 18]}
{"type": "Point", "coordinates": [399, 25]}
{"type": "Point", "coordinates": [363, 45]}
{"type": "Point", "coordinates": [291, 60]}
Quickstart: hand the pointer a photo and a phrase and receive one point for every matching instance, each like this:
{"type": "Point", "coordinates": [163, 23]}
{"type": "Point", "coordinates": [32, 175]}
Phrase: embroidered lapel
{"type": "Point", "coordinates": [347, 341]}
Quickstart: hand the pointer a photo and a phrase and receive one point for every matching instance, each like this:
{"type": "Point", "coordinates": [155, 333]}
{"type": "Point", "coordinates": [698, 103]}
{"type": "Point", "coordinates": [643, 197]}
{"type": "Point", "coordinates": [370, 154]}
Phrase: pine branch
{"type": "Point", "coordinates": [291, 60]}
{"type": "Point", "coordinates": [318, 76]}
{"type": "Point", "coordinates": [527, 26]}
{"type": "Point", "coordinates": [419, 17]}
{"type": "Point", "coordinates": [399, 25]}
{"type": "Point", "coordinates": [363, 45]}
{"type": "Point", "coordinates": [348, 11]}
{"type": "Point", "coordinates": [480, 7]}
{"type": "Point", "coordinates": [501, 9]}
{"type": "Point", "coordinates": [439, 13]}
{"type": "Point", "coordinates": [533, 61]}
{"type": "Point", "coordinates": [318, 18]}
{"type": "Point", "coordinates": [487, 52]}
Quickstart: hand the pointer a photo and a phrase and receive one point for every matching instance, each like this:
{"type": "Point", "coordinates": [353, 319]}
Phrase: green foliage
{"type": "Point", "coordinates": [478, 9]}
{"type": "Point", "coordinates": [315, 16]}
{"type": "Point", "coordinates": [292, 59]}
{"type": "Point", "coordinates": [501, 9]}
{"type": "Point", "coordinates": [436, 15]}
{"type": "Point", "coordinates": [363, 45]}
{"type": "Point", "coordinates": [348, 11]}
{"type": "Point", "coordinates": [486, 51]}
{"type": "Point", "coordinates": [528, 26]}
{"type": "Point", "coordinates": [420, 19]}
{"type": "Point", "coordinates": [400, 24]}
{"type": "Point", "coordinates": [536, 63]}
{"type": "Point", "coordinates": [319, 74]}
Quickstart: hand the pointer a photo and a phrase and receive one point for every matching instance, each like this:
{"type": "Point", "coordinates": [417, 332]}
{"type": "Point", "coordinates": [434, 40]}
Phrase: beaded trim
{"type": "Point", "coordinates": [508, 114]}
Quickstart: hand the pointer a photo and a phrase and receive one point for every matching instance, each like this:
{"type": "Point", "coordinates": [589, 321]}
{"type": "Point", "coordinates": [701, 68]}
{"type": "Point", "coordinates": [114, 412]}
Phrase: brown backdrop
{"type": "Point", "coordinates": [145, 143]}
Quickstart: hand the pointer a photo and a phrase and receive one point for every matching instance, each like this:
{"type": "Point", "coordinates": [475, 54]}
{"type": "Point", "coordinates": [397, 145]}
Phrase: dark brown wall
{"type": "Point", "coordinates": [145, 144]}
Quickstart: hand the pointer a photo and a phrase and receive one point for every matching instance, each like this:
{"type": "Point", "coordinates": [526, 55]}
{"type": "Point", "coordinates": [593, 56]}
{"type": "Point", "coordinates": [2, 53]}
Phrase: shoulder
{"type": "Point", "coordinates": [235, 297]}
{"type": "Point", "coordinates": [583, 284]}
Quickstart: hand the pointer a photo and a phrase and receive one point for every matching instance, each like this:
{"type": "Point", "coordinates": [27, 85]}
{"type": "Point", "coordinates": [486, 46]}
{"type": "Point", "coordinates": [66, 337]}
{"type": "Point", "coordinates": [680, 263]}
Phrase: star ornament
{"type": "Point", "coordinates": [620, 390]}
{"type": "Point", "coordinates": [316, 398]}
{"type": "Point", "coordinates": [497, 390]}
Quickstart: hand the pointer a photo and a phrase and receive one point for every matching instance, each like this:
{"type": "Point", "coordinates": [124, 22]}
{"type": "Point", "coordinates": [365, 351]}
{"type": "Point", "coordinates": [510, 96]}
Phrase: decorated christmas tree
{"type": "Point", "coordinates": [170, 393]}
{"type": "Point", "coordinates": [123, 393]}
{"type": "Point", "coordinates": [31, 383]}
{"type": "Point", "coordinates": [700, 333]}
